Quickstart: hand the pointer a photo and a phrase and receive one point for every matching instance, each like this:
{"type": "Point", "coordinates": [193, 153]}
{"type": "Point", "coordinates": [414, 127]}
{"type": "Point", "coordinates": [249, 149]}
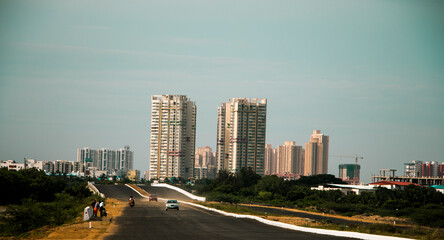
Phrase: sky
{"type": "Point", "coordinates": [369, 74]}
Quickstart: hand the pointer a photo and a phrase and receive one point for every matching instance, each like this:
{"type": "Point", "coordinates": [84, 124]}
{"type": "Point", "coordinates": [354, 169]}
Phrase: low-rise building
{"type": "Point", "coordinates": [12, 165]}
{"type": "Point", "coordinates": [133, 175]}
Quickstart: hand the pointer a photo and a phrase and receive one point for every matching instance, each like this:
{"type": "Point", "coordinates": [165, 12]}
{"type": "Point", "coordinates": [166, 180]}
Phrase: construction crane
{"type": "Point", "coordinates": [356, 163]}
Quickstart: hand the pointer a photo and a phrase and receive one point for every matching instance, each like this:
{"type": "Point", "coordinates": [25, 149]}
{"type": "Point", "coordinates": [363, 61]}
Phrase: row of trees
{"type": "Point", "coordinates": [34, 199]}
{"type": "Point", "coordinates": [422, 204]}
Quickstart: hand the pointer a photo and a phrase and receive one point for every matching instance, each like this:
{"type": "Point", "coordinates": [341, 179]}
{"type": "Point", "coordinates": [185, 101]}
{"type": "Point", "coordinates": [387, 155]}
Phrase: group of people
{"type": "Point", "coordinates": [98, 207]}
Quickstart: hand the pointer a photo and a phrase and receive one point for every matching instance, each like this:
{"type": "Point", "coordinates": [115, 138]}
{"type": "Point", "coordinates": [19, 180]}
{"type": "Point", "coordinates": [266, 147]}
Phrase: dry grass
{"type": "Point", "coordinates": [360, 218]}
{"type": "Point", "coordinates": [80, 230]}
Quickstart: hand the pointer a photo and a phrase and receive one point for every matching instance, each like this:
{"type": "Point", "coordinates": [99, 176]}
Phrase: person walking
{"type": "Point", "coordinates": [102, 208]}
{"type": "Point", "coordinates": [93, 205]}
{"type": "Point", "coordinates": [96, 208]}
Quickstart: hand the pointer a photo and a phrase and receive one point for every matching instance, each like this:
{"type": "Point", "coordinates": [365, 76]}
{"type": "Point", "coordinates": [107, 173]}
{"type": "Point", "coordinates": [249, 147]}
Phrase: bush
{"type": "Point", "coordinates": [35, 199]}
{"type": "Point", "coordinates": [429, 215]}
{"type": "Point", "coordinates": [220, 197]}
{"type": "Point", "coordinates": [32, 214]}
{"type": "Point", "coordinates": [375, 228]}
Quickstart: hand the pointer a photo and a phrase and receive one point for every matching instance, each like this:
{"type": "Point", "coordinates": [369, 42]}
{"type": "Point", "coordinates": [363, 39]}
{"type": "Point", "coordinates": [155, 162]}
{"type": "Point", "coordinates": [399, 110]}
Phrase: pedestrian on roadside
{"type": "Point", "coordinates": [96, 208]}
{"type": "Point", "coordinates": [102, 208]}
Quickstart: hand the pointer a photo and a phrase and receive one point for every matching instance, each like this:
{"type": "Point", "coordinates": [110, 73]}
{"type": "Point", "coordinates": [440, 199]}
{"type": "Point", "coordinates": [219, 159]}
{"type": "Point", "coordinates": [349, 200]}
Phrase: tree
{"type": "Point", "coordinates": [319, 179]}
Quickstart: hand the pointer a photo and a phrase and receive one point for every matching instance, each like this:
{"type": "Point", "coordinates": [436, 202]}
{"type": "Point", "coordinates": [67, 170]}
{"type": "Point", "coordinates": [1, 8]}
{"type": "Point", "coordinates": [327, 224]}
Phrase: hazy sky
{"type": "Point", "coordinates": [369, 74]}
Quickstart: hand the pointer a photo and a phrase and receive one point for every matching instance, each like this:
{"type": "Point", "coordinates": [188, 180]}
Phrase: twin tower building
{"type": "Point", "coordinates": [241, 125]}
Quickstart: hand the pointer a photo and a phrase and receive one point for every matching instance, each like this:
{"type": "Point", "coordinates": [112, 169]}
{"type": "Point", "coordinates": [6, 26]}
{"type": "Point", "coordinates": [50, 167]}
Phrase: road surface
{"type": "Point", "coordinates": [149, 220]}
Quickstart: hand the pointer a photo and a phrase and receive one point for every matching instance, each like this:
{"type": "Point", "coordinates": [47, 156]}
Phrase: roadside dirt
{"type": "Point", "coordinates": [80, 230]}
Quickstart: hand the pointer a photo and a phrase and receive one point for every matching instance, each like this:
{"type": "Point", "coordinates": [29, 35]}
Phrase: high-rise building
{"type": "Point", "coordinates": [413, 169]}
{"type": "Point", "coordinates": [423, 169]}
{"type": "Point", "coordinates": [113, 161]}
{"type": "Point", "coordinates": [241, 124]}
{"type": "Point", "coordinates": [204, 164]}
{"type": "Point", "coordinates": [270, 159]}
{"type": "Point", "coordinates": [173, 134]}
{"type": "Point", "coordinates": [289, 159]}
{"type": "Point", "coordinates": [347, 173]}
{"type": "Point", "coordinates": [316, 154]}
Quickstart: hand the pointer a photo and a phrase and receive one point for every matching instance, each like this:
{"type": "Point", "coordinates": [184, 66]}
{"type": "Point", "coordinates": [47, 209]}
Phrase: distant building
{"type": "Point", "coordinates": [316, 154]}
{"type": "Point", "coordinates": [347, 173]}
{"type": "Point", "coordinates": [146, 175]}
{"type": "Point", "coordinates": [112, 161]}
{"type": "Point", "coordinates": [423, 169]}
{"type": "Point", "coordinates": [205, 164]}
{"type": "Point", "coordinates": [12, 165]}
{"type": "Point", "coordinates": [49, 167]}
{"type": "Point", "coordinates": [270, 159]}
{"type": "Point", "coordinates": [241, 125]}
{"type": "Point", "coordinates": [390, 175]}
{"type": "Point", "coordinates": [133, 175]}
{"type": "Point", "coordinates": [173, 136]}
{"type": "Point", "coordinates": [393, 184]}
{"type": "Point", "coordinates": [289, 159]}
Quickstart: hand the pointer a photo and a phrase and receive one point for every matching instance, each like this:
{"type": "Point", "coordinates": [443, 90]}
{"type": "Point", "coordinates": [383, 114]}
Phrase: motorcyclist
{"type": "Point", "coordinates": [131, 201]}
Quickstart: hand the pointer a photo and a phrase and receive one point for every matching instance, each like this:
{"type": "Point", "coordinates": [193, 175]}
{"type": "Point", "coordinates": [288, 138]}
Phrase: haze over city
{"type": "Point", "coordinates": [367, 74]}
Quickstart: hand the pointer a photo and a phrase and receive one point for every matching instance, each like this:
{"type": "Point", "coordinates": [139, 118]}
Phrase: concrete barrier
{"type": "Point", "coordinates": [93, 189]}
{"type": "Point", "coordinates": [87, 214]}
{"type": "Point", "coordinates": [194, 197]}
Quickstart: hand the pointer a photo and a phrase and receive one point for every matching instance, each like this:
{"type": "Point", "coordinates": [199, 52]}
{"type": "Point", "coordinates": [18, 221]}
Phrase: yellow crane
{"type": "Point", "coordinates": [356, 164]}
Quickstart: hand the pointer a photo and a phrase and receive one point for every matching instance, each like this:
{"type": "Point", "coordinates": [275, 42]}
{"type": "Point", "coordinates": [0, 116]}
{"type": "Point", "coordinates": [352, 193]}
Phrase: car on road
{"type": "Point", "coordinates": [172, 204]}
{"type": "Point", "coordinates": [153, 197]}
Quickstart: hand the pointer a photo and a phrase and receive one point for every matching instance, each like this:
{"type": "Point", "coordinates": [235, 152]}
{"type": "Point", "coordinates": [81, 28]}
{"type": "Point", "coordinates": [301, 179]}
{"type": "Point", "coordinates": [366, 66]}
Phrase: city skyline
{"type": "Point", "coordinates": [367, 74]}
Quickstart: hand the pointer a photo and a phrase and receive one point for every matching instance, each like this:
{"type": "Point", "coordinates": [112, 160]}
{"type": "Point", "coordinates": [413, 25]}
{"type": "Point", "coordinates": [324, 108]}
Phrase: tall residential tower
{"type": "Point", "coordinates": [316, 154]}
{"type": "Point", "coordinates": [173, 135]}
{"type": "Point", "coordinates": [241, 134]}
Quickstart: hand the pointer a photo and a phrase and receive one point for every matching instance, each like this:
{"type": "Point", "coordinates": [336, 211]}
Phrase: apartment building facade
{"type": "Point", "coordinates": [316, 154]}
{"type": "Point", "coordinates": [205, 163]}
{"type": "Point", "coordinates": [112, 161]}
{"type": "Point", "coordinates": [424, 169]}
{"type": "Point", "coordinates": [173, 136]}
{"type": "Point", "coordinates": [241, 129]}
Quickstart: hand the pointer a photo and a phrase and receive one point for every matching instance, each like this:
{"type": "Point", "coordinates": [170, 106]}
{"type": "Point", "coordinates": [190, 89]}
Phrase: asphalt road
{"type": "Point", "coordinates": [163, 192]}
{"type": "Point", "coordinates": [149, 220]}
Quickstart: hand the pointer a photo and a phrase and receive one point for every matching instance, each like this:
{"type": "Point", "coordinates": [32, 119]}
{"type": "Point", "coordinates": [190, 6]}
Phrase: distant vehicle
{"type": "Point", "coordinates": [153, 197]}
{"type": "Point", "coordinates": [172, 204]}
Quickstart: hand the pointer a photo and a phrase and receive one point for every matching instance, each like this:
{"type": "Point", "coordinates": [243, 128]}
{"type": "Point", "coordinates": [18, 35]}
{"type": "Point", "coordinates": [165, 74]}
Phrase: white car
{"type": "Point", "coordinates": [172, 204]}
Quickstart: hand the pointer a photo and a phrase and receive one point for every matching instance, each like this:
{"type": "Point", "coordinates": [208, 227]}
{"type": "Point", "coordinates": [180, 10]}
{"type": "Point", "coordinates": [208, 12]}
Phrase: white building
{"type": "Point", "coordinates": [173, 136]}
{"type": "Point", "coordinates": [241, 125]}
{"type": "Point", "coordinates": [112, 161]}
{"type": "Point", "coordinates": [12, 165]}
